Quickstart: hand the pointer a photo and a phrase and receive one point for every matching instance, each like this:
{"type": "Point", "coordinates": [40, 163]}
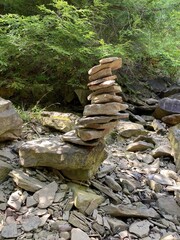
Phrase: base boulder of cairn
{"type": "Point", "coordinates": [80, 152]}
{"type": "Point", "coordinates": [10, 122]}
{"type": "Point", "coordinates": [79, 163]}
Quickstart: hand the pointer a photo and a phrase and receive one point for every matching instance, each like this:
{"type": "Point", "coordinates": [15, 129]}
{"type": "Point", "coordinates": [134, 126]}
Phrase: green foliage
{"type": "Point", "coordinates": [55, 44]}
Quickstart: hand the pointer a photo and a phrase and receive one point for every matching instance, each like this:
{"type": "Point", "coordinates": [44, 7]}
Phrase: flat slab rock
{"type": "Point", "coordinates": [10, 122]}
{"type": "Point", "coordinates": [85, 121]}
{"type": "Point", "coordinates": [75, 162]}
{"type": "Point", "coordinates": [104, 109]}
{"type": "Point", "coordinates": [100, 74]}
{"type": "Point", "coordinates": [129, 129]}
{"type": "Point", "coordinates": [5, 168]}
{"type": "Point", "coordinates": [130, 211]}
{"type": "Point", "coordinates": [61, 121]}
{"type": "Point", "coordinates": [113, 63]}
{"type": "Point", "coordinates": [10, 231]}
{"type": "Point", "coordinates": [112, 89]}
{"type": "Point", "coordinates": [72, 137]}
{"type": "Point", "coordinates": [46, 195]}
{"type": "Point", "coordinates": [26, 182]}
{"type": "Point", "coordinates": [174, 137]}
{"type": "Point", "coordinates": [104, 98]}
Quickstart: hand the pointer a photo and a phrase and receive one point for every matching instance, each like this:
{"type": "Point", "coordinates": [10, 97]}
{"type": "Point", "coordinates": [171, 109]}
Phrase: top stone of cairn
{"type": "Point", "coordinates": [113, 63]}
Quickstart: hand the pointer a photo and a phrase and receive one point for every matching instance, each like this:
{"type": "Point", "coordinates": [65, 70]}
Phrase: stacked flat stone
{"type": "Point", "coordinates": [101, 116]}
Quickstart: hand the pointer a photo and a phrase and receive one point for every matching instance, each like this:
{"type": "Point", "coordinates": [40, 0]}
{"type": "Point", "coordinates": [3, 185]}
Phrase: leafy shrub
{"type": "Point", "coordinates": [55, 44]}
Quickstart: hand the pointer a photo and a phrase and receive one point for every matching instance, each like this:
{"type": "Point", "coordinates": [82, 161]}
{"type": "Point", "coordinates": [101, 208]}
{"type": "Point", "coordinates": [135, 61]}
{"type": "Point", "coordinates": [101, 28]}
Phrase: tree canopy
{"type": "Point", "coordinates": [51, 44]}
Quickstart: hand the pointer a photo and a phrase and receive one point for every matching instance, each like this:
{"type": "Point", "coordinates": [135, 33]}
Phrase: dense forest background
{"type": "Point", "coordinates": [47, 46]}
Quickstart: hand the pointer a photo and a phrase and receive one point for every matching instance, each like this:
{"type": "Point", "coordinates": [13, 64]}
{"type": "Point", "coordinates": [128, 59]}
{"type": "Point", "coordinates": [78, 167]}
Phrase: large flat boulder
{"type": "Point", "coordinates": [167, 106]}
{"type": "Point", "coordinates": [10, 122]}
{"type": "Point", "coordinates": [75, 162]}
{"type": "Point", "coordinates": [174, 137]}
{"type": "Point", "coordinates": [63, 122]}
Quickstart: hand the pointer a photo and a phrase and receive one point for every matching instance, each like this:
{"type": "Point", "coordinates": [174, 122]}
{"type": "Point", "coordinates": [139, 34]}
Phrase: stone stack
{"type": "Point", "coordinates": [101, 116]}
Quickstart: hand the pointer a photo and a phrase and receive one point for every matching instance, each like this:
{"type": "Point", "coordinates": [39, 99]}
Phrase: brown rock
{"type": "Point", "coordinates": [72, 137]}
{"type": "Point", "coordinates": [113, 64]}
{"type": "Point", "coordinates": [172, 119]}
{"type": "Point", "coordinates": [102, 73]}
{"type": "Point", "coordinates": [107, 126]}
{"type": "Point", "coordinates": [112, 89]}
{"type": "Point", "coordinates": [101, 119]}
{"type": "Point", "coordinates": [139, 146]}
{"type": "Point", "coordinates": [107, 60]}
{"type": "Point", "coordinates": [102, 85]}
{"type": "Point", "coordinates": [90, 134]}
{"type": "Point", "coordinates": [104, 109]}
{"type": "Point", "coordinates": [104, 98]}
{"type": "Point", "coordinates": [95, 82]}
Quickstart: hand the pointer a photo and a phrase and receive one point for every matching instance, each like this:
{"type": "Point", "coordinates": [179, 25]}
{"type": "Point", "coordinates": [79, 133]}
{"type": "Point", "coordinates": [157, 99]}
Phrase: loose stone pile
{"type": "Point", "coordinates": [101, 116]}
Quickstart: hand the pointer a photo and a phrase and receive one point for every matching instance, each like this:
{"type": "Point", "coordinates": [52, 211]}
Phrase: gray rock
{"type": "Point", "coordinates": [25, 182]}
{"type": "Point", "coordinates": [10, 122]}
{"type": "Point", "coordinates": [159, 178]}
{"type": "Point", "coordinates": [2, 197]}
{"type": "Point", "coordinates": [129, 129]}
{"type": "Point", "coordinates": [168, 205]}
{"type": "Point", "coordinates": [158, 127]}
{"type": "Point", "coordinates": [117, 225]}
{"type": "Point", "coordinates": [15, 200]}
{"type": "Point", "coordinates": [10, 231]}
{"type": "Point", "coordinates": [140, 229]}
{"type": "Point", "coordinates": [130, 211]}
{"type": "Point", "coordinates": [31, 223]}
{"type": "Point", "coordinates": [174, 137]}
{"type": "Point", "coordinates": [46, 195]}
{"type": "Point", "coordinates": [5, 168]}
{"type": "Point", "coordinates": [65, 235]}
{"type": "Point", "coordinates": [85, 199]}
{"type": "Point", "coordinates": [78, 220]}
{"type": "Point", "coordinates": [98, 228]}
{"type": "Point", "coordinates": [113, 184]}
{"type": "Point", "coordinates": [78, 234]}
{"type": "Point", "coordinates": [74, 162]}
{"type": "Point", "coordinates": [106, 169]}
{"type": "Point", "coordinates": [31, 202]}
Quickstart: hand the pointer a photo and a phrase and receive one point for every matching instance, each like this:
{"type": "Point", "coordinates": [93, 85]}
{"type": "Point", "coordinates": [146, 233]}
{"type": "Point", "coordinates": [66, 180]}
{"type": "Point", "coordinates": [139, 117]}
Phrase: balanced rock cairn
{"type": "Point", "coordinates": [102, 115]}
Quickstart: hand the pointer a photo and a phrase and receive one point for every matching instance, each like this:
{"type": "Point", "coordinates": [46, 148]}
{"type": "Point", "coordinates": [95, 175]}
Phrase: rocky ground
{"type": "Point", "coordinates": [134, 195]}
